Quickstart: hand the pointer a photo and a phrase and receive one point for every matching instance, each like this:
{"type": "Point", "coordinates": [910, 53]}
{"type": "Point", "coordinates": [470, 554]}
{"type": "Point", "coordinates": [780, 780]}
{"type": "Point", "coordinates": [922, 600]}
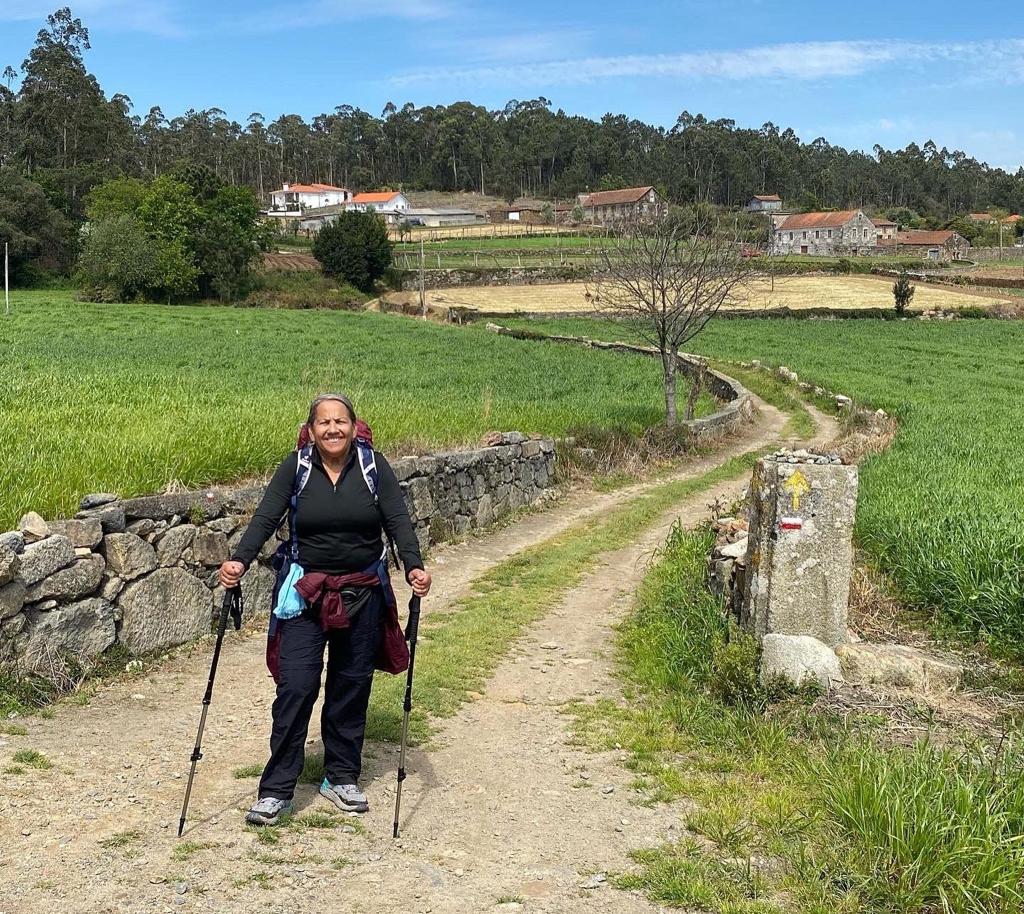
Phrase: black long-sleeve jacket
{"type": "Point", "coordinates": [338, 525]}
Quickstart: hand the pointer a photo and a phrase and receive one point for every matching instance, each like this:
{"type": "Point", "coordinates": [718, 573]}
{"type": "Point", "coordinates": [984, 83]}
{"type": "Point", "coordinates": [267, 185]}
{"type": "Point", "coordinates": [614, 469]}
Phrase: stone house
{"type": "Point", "coordinates": [939, 245]}
{"type": "Point", "coordinates": [615, 207]}
{"type": "Point", "coordinates": [886, 229]}
{"type": "Point", "coordinates": [764, 203]}
{"type": "Point", "coordinates": [843, 232]}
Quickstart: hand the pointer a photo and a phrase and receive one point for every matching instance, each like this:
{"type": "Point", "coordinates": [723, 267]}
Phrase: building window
{"type": "Point", "coordinates": [830, 233]}
{"type": "Point", "coordinates": [805, 236]}
{"type": "Point", "coordinates": [790, 236]}
{"type": "Point", "coordinates": [817, 234]}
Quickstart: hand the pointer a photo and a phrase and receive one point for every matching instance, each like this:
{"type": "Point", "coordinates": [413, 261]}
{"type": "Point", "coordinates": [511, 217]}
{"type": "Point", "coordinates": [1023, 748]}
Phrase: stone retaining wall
{"type": "Point", "coordinates": [738, 408]}
{"type": "Point", "coordinates": [142, 572]}
{"type": "Point", "coordinates": [493, 276]}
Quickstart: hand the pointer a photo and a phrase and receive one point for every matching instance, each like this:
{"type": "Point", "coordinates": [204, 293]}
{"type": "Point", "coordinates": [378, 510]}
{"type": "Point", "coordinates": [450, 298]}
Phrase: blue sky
{"type": "Point", "coordinates": [857, 73]}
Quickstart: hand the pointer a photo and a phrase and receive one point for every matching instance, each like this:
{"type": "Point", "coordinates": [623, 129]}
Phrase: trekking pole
{"type": "Point", "coordinates": [411, 631]}
{"type": "Point", "coordinates": [233, 607]}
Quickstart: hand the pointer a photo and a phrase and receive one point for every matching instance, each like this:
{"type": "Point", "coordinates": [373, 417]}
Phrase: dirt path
{"type": "Point", "coordinates": [503, 807]}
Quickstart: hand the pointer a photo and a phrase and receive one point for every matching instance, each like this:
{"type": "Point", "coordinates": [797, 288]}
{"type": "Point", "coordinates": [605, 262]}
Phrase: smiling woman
{"type": "Point", "coordinates": [131, 398]}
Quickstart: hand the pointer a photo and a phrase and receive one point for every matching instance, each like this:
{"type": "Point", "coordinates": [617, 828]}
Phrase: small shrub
{"type": "Point", "coordinates": [733, 676]}
{"type": "Point", "coordinates": [902, 293]}
{"type": "Point", "coordinates": [32, 758]}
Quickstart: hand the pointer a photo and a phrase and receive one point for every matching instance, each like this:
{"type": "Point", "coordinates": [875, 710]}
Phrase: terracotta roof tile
{"type": "Point", "coordinates": [818, 220]}
{"type": "Point", "coordinates": [768, 198]}
{"type": "Point", "coordinates": [921, 237]}
{"type": "Point", "coordinates": [375, 197]}
{"type": "Point", "coordinates": [612, 197]}
{"type": "Point", "coordinates": [309, 188]}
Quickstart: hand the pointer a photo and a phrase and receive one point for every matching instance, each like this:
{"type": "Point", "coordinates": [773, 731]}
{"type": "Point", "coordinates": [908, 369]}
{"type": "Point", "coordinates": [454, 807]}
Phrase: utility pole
{"type": "Point", "coordinates": [423, 297]}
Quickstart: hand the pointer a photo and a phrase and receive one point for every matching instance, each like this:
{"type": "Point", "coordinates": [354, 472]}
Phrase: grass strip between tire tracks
{"type": "Point", "coordinates": [458, 653]}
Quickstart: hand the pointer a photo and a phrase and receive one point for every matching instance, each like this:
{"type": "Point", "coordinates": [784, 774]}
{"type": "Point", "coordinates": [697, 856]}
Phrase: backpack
{"type": "Point", "coordinates": [286, 602]}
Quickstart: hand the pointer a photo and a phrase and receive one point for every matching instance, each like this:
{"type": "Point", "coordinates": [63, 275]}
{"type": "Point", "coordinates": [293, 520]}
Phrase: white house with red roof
{"type": "Point", "coordinates": [295, 199]}
{"type": "Point", "coordinates": [392, 205]}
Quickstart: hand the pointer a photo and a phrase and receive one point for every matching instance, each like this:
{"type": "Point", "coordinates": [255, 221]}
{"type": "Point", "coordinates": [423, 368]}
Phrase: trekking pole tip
{"type": "Point", "coordinates": [181, 826]}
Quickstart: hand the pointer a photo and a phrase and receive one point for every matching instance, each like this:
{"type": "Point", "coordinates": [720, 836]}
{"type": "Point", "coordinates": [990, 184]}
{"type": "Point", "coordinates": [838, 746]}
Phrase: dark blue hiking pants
{"type": "Point", "coordinates": [351, 653]}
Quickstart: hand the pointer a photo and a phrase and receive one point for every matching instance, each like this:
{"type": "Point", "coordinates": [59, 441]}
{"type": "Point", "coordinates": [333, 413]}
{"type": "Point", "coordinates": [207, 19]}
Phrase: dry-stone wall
{"type": "Point", "coordinates": [143, 571]}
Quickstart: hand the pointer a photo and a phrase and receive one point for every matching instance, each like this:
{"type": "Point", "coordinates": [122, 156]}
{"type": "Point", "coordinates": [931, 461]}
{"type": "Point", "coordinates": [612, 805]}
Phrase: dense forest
{"type": "Point", "coordinates": [61, 132]}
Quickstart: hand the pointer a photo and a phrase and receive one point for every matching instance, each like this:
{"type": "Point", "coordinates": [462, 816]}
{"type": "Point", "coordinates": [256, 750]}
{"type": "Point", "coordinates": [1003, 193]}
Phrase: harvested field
{"type": "Point", "coordinates": [790, 292]}
{"type": "Point", "coordinates": [281, 260]}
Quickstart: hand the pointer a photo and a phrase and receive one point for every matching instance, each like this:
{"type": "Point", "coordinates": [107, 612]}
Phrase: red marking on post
{"type": "Point", "coordinates": [791, 523]}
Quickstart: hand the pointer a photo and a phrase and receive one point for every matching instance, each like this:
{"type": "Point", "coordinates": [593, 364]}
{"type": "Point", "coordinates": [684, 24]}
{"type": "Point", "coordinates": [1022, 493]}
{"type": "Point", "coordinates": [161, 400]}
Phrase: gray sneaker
{"type": "Point", "coordinates": [267, 810]}
{"type": "Point", "coordinates": [347, 797]}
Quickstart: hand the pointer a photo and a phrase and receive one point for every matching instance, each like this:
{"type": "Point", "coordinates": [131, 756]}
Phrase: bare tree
{"type": "Point", "coordinates": [667, 279]}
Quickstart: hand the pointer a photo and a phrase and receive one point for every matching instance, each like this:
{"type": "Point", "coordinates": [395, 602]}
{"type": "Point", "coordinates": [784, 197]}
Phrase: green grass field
{"type": "Point", "coordinates": [942, 512]}
{"type": "Point", "coordinates": [131, 397]}
{"type": "Point", "coordinates": [849, 821]}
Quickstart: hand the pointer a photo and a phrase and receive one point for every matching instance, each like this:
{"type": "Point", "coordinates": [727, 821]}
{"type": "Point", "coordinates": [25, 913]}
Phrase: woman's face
{"type": "Point", "coordinates": [332, 429]}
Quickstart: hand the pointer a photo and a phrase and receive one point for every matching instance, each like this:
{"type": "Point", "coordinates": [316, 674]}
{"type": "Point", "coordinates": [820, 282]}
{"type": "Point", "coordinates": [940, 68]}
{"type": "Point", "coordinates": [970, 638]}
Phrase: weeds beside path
{"type": "Point", "coordinates": [500, 807]}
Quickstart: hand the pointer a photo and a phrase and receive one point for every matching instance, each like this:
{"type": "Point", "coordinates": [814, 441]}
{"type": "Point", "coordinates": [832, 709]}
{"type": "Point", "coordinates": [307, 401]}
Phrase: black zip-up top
{"type": "Point", "coordinates": [339, 526]}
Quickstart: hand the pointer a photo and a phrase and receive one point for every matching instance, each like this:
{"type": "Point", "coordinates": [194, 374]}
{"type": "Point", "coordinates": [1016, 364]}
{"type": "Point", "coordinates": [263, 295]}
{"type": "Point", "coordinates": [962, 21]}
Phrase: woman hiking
{"type": "Point", "coordinates": [337, 596]}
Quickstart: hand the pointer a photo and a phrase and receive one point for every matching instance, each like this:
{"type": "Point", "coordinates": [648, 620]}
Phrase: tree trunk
{"type": "Point", "coordinates": [668, 362]}
{"type": "Point", "coordinates": [695, 388]}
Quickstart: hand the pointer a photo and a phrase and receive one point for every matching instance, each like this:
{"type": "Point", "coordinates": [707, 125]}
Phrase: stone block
{"type": "Point", "coordinates": [419, 496]}
{"type": "Point", "coordinates": [12, 599]}
{"type": "Point", "coordinates": [531, 448]}
{"type": "Point", "coordinates": [485, 511]}
{"type": "Point", "coordinates": [128, 556]}
{"type": "Point", "coordinates": [71, 583]}
{"type": "Point", "coordinates": [141, 528]}
{"type": "Point", "coordinates": [225, 525]}
{"type": "Point", "coordinates": [898, 666]}
{"type": "Point", "coordinates": [10, 562]}
{"type": "Point", "coordinates": [800, 554]}
{"type": "Point", "coordinates": [209, 547]}
{"type": "Point", "coordinates": [111, 517]}
{"type": "Point", "coordinates": [257, 588]}
{"type": "Point", "coordinates": [33, 527]}
{"type": "Point", "coordinates": [244, 501]}
{"type": "Point", "coordinates": [110, 586]}
{"type": "Point", "coordinates": [405, 468]}
{"type": "Point", "coordinates": [95, 499]}
{"type": "Point", "coordinates": [735, 550]}
{"type": "Point", "coordinates": [797, 659]}
{"type": "Point", "coordinates": [165, 608]}
{"type": "Point", "coordinates": [172, 545]}
{"type": "Point", "coordinates": [85, 629]}
{"type": "Point", "coordinates": [84, 534]}
{"type": "Point", "coordinates": [44, 558]}
{"type": "Point", "coordinates": [198, 506]}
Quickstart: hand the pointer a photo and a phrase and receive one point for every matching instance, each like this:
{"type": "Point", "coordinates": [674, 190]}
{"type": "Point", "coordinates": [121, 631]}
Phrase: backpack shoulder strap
{"type": "Point", "coordinates": [303, 467]}
{"type": "Point", "coordinates": [368, 466]}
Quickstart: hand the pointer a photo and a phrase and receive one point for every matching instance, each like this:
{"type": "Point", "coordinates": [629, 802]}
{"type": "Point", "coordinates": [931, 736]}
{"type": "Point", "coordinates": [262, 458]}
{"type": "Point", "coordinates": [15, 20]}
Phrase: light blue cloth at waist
{"type": "Point", "coordinates": [289, 601]}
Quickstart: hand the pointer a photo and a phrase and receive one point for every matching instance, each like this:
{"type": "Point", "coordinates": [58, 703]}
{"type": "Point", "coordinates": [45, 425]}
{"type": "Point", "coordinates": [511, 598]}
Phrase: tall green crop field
{"type": "Point", "coordinates": [942, 511]}
{"type": "Point", "coordinates": [130, 397]}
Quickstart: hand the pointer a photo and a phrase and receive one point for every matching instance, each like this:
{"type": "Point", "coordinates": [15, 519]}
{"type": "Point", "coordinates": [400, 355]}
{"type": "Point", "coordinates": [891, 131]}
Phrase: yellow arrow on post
{"type": "Point", "coordinates": [797, 486]}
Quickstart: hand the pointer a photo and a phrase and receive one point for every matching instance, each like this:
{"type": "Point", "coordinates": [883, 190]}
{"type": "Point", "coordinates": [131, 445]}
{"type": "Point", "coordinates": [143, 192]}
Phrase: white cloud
{"type": "Point", "coordinates": [807, 61]}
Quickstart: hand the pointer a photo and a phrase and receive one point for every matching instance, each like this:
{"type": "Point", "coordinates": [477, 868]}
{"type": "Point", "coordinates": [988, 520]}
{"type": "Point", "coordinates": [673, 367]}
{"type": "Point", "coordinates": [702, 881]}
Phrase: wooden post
{"type": "Point", "coordinates": [423, 295]}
